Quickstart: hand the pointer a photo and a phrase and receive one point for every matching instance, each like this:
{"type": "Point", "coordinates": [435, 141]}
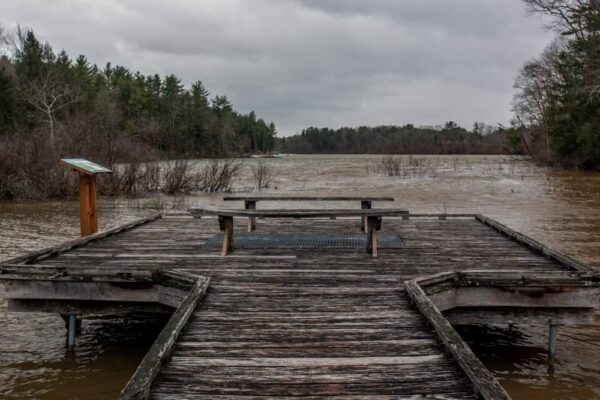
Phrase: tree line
{"type": "Point", "coordinates": [390, 139]}
{"type": "Point", "coordinates": [557, 103]}
{"type": "Point", "coordinates": [53, 106]}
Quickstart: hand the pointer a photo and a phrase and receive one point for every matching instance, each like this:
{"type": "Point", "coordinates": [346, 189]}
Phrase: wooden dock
{"type": "Point", "coordinates": [308, 321]}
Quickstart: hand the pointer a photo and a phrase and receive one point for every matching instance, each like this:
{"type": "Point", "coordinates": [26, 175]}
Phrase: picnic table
{"type": "Point", "coordinates": [250, 203]}
{"type": "Point", "coordinates": [374, 219]}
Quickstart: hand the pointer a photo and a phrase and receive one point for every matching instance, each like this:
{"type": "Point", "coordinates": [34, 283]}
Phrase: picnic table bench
{"type": "Point", "coordinates": [374, 218]}
{"type": "Point", "coordinates": [250, 203]}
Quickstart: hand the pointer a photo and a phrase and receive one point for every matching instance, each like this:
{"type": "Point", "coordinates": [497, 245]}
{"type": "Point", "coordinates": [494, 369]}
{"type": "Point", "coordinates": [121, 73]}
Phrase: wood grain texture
{"type": "Point", "coordinates": [139, 385]}
{"type": "Point", "coordinates": [56, 250]}
{"type": "Point", "coordinates": [485, 384]}
{"type": "Point", "coordinates": [499, 296]}
{"type": "Point", "coordinates": [312, 322]}
{"type": "Point", "coordinates": [305, 198]}
{"type": "Point", "coordinates": [300, 213]}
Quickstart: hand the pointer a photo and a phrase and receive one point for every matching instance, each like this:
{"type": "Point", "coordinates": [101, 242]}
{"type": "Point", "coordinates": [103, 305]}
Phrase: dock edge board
{"type": "Point", "coordinates": [485, 384]}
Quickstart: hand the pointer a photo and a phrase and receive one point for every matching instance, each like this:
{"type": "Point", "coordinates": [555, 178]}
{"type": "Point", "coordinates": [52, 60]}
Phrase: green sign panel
{"type": "Point", "coordinates": [85, 166]}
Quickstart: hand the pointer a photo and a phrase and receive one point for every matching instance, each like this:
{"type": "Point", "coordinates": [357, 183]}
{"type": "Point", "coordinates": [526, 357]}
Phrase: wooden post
{"type": "Point", "coordinates": [93, 215]}
{"type": "Point", "coordinates": [364, 205]}
{"type": "Point", "coordinates": [87, 170]}
{"type": "Point", "coordinates": [71, 329]}
{"type": "Point", "coordinates": [227, 222]}
{"type": "Point", "coordinates": [372, 222]}
{"type": "Point", "coordinates": [251, 205]}
{"type": "Point", "coordinates": [87, 204]}
{"type": "Point", "coordinates": [552, 341]}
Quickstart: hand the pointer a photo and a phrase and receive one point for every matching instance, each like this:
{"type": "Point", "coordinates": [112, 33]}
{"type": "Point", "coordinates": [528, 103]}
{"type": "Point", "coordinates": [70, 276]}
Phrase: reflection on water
{"type": "Point", "coordinates": [518, 358]}
{"type": "Point", "coordinates": [34, 361]}
{"type": "Point", "coordinates": [561, 209]}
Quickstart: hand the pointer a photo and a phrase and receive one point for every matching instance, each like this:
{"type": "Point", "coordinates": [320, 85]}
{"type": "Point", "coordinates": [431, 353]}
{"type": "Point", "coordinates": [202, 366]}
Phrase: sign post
{"type": "Point", "coordinates": [87, 191]}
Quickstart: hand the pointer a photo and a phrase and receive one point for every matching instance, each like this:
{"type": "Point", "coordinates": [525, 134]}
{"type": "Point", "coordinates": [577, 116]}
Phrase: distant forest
{"type": "Point", "coordinates": [407, 139]}
{"type": "Point", "coordinates": [52, 106]}
{"type": "Point", "coordinates": [556, 105]}
{"type": "Point", "coordinates": [47, 91]}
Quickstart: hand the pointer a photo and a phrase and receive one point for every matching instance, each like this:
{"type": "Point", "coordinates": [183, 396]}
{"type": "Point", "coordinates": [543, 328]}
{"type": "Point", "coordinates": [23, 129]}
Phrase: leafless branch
{"type": "Point", "coordinates": [48, 96]}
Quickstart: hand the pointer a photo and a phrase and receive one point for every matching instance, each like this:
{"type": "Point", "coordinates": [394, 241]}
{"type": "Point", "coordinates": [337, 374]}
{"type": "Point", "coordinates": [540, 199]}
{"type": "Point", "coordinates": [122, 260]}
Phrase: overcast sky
{"type": "Point", "coordinates": [306, 63]}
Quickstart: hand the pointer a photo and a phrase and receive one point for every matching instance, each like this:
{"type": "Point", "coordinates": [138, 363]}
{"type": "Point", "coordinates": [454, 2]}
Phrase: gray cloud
{"type": "Point", "coordinates": [311, 62]}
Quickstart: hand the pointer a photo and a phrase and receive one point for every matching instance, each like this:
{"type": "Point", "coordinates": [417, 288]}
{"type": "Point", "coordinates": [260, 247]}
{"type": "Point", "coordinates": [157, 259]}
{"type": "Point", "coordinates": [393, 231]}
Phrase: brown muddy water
{"type": "Point", "coordinates": [561, 209]}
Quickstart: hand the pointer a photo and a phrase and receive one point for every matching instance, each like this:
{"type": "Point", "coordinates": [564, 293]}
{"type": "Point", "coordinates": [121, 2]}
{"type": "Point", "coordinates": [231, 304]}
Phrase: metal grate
{"type": "Point", "coordinates": [303, 241]}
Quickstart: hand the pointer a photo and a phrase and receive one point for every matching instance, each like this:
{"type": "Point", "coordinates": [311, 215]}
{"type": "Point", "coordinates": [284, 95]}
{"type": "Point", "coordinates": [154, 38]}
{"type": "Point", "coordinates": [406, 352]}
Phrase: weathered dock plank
{"type": "Point", "coordinates": [139, 385]}
{"type": "Point", "coordinates": [312, 322]}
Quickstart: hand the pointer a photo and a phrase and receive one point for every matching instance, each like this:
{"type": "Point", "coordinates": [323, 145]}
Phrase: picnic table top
{"type": "Point", "coordinates": [306, 198]}
{"type": "Point", "coordinates": [300, 213]}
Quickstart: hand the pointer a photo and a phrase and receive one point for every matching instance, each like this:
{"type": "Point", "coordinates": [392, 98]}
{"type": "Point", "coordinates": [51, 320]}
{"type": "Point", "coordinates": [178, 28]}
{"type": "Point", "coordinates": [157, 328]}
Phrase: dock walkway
{"type": "Point", "coordinates": [310, 321]}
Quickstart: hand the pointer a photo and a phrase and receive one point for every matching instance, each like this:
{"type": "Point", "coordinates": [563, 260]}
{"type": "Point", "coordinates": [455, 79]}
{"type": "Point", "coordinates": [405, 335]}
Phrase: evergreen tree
{"type": "Point", "coordinates": [44, 87]}
{"type": "Point", "coordinates": [8, 103]}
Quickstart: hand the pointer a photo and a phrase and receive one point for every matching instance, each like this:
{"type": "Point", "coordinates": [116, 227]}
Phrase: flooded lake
{"type": "Point", "coordinates": [561, 209]}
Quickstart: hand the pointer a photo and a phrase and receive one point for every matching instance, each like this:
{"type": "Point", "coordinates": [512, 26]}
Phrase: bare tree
{"type": "Point", "coordinates": [49, 96]}
{"type": "Point", "coordinates": [579, 19]}
{"type": "Point", "coordinates": [263, 174]}
{"type": "Point", "coordinates": [3, 38]}
{"type": "Point", "coordinates": [535, 84]}
{"type": "Point", "coordinates": [5, 65]}
{"type": "Point", "coordinates": [570, 17]}
{"type": "Point", "coordinates": [217, 175]}
{"type": "Point", "coordinates": [107, 125]}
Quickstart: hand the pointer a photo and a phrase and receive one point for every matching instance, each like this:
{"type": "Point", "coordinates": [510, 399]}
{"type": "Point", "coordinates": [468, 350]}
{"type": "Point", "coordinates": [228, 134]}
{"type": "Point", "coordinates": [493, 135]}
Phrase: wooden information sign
{"type": "Point", "coordinates": [87, 191]}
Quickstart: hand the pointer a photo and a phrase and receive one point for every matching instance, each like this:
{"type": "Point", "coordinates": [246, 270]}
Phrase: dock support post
{"type": "Point", "coordinates": [227, 227]}
{"type": "Point", "coordinates": [364, 205]}
{"type": "Point", "coordinates": [372, 225]}
{"type": "Point", "coordinates": [250, 205]}
{"type": "Point", "coordinates": [71, 329]}
{"type": "Point", "coordinates": [552, 341]}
